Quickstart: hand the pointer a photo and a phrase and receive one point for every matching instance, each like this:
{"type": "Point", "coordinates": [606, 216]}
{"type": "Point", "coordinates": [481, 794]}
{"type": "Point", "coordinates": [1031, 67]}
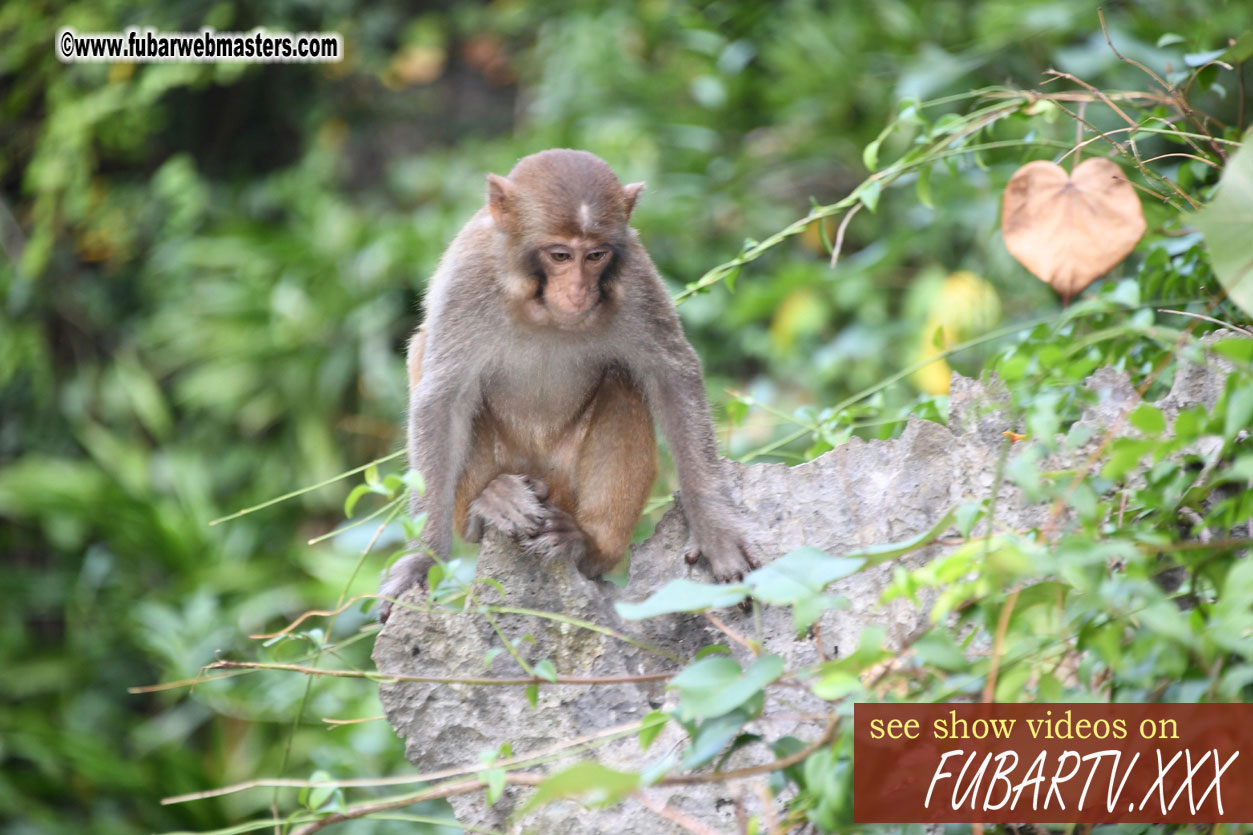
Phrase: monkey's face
{"type": "Point", "coordinates": [572, 282]}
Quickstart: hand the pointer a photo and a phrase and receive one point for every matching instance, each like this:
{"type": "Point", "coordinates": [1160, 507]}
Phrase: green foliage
{"type": "Point", "coordinates": [591, 783]}
{"type": "Point", "coordinates": [1225, 221]}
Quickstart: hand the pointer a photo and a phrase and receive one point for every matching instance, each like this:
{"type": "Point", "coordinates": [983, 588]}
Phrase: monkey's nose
{"type": "Point", "coordinates": [577, 301]}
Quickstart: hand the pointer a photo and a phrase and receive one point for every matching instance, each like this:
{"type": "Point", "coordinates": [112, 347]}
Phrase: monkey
{"type": "Point", "coordinates": [549, 346]}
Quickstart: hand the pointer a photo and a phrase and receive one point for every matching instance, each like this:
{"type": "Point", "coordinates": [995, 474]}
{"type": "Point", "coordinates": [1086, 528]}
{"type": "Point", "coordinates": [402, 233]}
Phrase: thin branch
{"type": "Point", "coordinates": [312, 613]}
{"type": "Point", "coordinates": [755, 649]}
{"type": "Point", "coordinates": [388, 678]}
{"type": "Point", "coordinates": [1208, 162]}
{"type": "Point", "coordinates": [527, 779]}
{"type": "Point", "coordinates": [293, 494]}
{"type": "Point", "coordinates": [662, 809]}
{"type": "Point", "coordinates": [363, 720]}
{"type": "Point", "coordinates": [437, 793]}
{"type": "Point", "coordinates": [998, 646]}
{"type": "Point", "coordinates": [521, 761]}
{"type": "Point", "coordinates": [839, 234]}
{"type": "Point", "coordinates": [1134, 152]}
{"type": "Point", "coordinates": [1229, 325]}
{"type": "Point", "coordinates": [753, 771]}
{"type": "Point", "coordinates": [1180, 101]}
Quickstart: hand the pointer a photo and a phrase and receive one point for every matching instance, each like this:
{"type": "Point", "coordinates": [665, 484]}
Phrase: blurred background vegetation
{"type": "Point", "coordinates": [209, 272]}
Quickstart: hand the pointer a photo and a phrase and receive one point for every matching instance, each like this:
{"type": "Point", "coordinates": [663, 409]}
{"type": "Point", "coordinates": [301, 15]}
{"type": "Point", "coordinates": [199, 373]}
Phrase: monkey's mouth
{"type": "Point", "coordinates": [571, 317]}
{"type": "Point", "coordinates": [566, 313]}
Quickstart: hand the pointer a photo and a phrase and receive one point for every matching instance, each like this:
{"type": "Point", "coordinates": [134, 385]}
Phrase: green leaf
{"type": "Point", "coordinates": [318, 795]}
{"type": "Point", "coordinates": [876, 554]}
{"type": "Point", "coordinates": [495, 780]}
{"type": "Point", "coordinates": [354, 496]}
{"type": "Point", "coordinates": [1239, 411]}
{"type": "Point", "coordinates": [937, 649]}
{"type": "Point", "coordinates": [835, 685]}
{"type": "Point", "coordinates": [712, 649]}
{"type": "Point", "coordinates": [967, 516]}
{"type": "Point", "coordinates": [785, 747]}
{"type": "Point", "coordinates": [715, 685]}
{"type": "Point", "coordinates": [651, 725]}
{"type": "Point", "coordinates": [1239, 348]}
{"type": "Point", "coordinates": [1225, 222]}
{"type": "Point", "coordinates": [682, 595]}
{"type": "Point", "coordinates": [1241, 470]}
{"type": "Point", "coordinates": [592, 784]}
{"type": "Point", "coordinates": [546, 671]}
{"type": "Point", "coordinates": [1241, 50]}
{"type": "Point", "coordinates": [532, 695]}
{"type": "Point", "coordinates": [869, 194]}
{"type": "Point", "coordinates": [1199, 59]}
{"type": "Point", "coordinates": [711, 736]}
{"type": "Point", "coordinates": [798, 574]}
{"type": "Point", "coordinates": [923, 187]}
{"type": "Point", "coordinates": [413, 527]}
{"type": "Point", "coordinates": [413, 479]}
{"type": "Point", "coordinates": [808, 610]}
{"type": "Point", "coordinates": [1148, 419]}
{"type": "Point", "coordinates": [870, 154]}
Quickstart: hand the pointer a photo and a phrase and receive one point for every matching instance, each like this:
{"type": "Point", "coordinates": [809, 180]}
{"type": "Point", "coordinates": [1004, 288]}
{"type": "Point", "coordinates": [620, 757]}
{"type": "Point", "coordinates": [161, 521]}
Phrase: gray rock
{"type": "Point", "coordinates": [861, 493]}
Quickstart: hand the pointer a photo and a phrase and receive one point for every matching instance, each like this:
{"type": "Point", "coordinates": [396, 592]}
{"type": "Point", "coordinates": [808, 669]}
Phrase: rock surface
{"type": "Point", "coordinates": [861, 493]}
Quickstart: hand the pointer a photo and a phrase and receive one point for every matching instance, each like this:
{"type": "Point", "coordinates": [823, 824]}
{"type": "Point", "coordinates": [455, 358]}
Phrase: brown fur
{"type": "Point", "coordinates": [549, 346]}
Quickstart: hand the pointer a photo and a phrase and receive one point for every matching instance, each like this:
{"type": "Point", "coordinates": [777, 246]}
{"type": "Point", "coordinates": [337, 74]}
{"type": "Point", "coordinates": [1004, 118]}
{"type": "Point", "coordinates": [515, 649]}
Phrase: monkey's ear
{"type": "Point", "coordinates": [632, 193]}
{"type": "Point", "coordinates": [500, 200]}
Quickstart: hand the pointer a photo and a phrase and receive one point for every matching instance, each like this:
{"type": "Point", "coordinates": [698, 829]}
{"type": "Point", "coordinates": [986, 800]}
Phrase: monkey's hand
{"type": "Point", "coordinates": [512, 504]}
{"type": "Point", "coordinates": [407, 572]}
{"type": "Point", "coordinates": [722, 542]}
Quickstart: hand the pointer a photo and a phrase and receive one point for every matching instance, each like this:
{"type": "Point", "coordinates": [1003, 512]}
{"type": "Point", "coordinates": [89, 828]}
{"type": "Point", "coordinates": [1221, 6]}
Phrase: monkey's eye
{"type": "Point", "coordinates": [597, 255]}
{"type": "Point", "coordinates": [559, 257]}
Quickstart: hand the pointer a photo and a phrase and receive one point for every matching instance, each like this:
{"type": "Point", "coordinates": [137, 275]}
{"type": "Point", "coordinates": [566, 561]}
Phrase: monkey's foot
{"type": "Point", "coordinates": [513, 504]}
{"type": "Point", "coordinates": [558, 537]}
{"type": "Point", "coordinates": [730, 555]}
{"type": "Point", "coordinates": [407, 572]}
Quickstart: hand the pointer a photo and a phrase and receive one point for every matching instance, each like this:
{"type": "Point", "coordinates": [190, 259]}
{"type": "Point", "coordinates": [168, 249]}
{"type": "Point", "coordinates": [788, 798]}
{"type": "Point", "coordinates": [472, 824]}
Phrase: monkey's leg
{"type": "Point", "coordinates": [617, 465]}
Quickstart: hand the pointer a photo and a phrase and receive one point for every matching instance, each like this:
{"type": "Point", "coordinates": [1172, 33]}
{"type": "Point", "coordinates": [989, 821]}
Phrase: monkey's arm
{"type": "Point", "coordinates": [675, 390]}
{"type": "Point", "coordinates": [441, 411]}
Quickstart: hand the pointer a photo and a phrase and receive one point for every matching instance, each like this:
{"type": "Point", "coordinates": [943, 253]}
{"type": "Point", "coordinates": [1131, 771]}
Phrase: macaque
{"type": "Point", "coordinates": [550, 345]}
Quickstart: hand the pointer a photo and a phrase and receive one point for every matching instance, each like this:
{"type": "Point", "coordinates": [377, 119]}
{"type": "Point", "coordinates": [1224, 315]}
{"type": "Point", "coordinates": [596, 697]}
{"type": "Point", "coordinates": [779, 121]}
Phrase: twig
{"type": "Point", "coordinates": [676, 816]}
{"type": "Point", "coordinates": [520, 761]}
{"type": "Point", "coordinates": [437, 793]}
{"type": "Point", "coordinates": [1204, 318]}
{"type": "Point", "coordinates": [312, 613]}
{"type": "Point", "coordinates": [732, 634]}
{"type": "Point", "coordinates": [839, 234]}
{"type": "Point", "coordinates": [1208, 162]}
{"type": "Point", "coordinates": [527, 779]}
{"type": "Point", "coordinates": [998, 646]}
{"type": "Point", "coordinates": [1180, 101]}
{"type": "Point", "coordinates": [739, 774]}
{"type": "Point", "coordinates": [391, 679]}
{"type": "Point", "coordinates": [769, 819]}
{"type": "Point", "coordinates": [1134, 152]}
{"type": "Point", "coordinates": [293, 494]}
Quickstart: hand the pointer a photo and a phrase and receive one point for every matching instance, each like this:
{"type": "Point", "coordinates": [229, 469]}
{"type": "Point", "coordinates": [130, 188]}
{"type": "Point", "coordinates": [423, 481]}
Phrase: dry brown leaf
{"type": "Point", "coordinates": [1070, 230]}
